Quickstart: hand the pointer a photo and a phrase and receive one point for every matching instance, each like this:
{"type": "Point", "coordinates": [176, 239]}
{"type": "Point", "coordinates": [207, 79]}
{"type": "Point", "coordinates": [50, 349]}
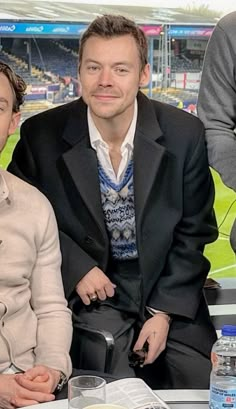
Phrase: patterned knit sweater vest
{"type": "Point", "coordinates": [118, 209]}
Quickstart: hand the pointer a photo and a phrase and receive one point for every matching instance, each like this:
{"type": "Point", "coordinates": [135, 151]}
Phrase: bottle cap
{"type": "Point", "coordinates": [229, 330]}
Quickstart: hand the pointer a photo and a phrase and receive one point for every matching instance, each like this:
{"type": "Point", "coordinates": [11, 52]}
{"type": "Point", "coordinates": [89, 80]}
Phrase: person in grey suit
{"type": "Point", "coordinates": [129, 181]}
{"type": "Point", "coordinates": [217, 102]}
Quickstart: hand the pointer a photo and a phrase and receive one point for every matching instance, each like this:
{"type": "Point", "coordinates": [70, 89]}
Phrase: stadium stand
{"type": "Point", "coordinates": [53, 57]}
{"type": "Point", "coordinates": [183, 64]}
{"type": "Point", "coordinates": [34, 107]}
{"type": "Point", "coordinates": [20, 66]}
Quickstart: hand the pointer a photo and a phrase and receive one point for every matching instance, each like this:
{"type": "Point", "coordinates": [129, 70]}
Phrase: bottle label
{"type": "Point", "coordinates": [222, 398]}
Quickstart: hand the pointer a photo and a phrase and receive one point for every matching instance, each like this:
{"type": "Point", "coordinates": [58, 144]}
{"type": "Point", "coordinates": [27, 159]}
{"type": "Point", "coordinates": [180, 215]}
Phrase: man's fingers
{"type": "Point", "coordinates": [152, 355]}
{"type": "Point", "coordinates": [25, 377]}
{"type": "Point", "coordinates": [86, 299]}
{"type": "Point", "coordinates": [140, 342]}
{"type": "Point", "coordinates": [32, 373]}
{"type": "Point", "coordinates": [155, 347]}
{"type": "Point", "coordinates": [102, 295]}
{"type": "Point", "coordinates": [19, 402]}
{"type": "Point", "coordinates": [42, 378]}
{"type": "Point", "coordinates": [31, 398]}
{"type": "Point", "coordinates": [152, 352]}
{"type": "Point", "coordinates": [6, 404]}
{"type": "Point", "coordinates": [31, 385]}
{"type": "Point", "coordinates": [39, 396]}
{"type": "Point", "coordinates": [110, 289]}
{"type": "Point", "coordinates": [95, 282]}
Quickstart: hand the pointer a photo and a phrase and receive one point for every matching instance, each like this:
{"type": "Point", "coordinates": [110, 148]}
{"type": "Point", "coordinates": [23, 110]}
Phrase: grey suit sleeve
{"type": "Point", "coordinates": [217, 101]}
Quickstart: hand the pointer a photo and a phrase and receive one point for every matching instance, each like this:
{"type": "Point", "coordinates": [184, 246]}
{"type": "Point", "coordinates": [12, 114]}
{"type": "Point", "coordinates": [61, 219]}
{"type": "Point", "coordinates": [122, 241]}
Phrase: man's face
{"type": "Point", "coordinates": [8, 120]}
{"type": "Point", "coordinates": [110, 76]}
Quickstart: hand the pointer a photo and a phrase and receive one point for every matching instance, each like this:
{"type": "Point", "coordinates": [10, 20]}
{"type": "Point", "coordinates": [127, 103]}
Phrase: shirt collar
{"type": "Point", "coordinates": [96, 138]}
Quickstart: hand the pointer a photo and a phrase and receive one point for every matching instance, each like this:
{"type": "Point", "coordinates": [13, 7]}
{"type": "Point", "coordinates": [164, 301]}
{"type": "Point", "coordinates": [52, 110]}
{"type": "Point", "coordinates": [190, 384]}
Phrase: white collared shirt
{"type": "Point", "coordinates": [102, 148]}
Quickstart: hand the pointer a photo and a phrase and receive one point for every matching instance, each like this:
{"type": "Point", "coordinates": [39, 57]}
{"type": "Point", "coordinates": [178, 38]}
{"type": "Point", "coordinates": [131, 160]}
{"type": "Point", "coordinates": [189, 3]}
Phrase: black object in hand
{"type": "Point", "coordinates": [137, 358]}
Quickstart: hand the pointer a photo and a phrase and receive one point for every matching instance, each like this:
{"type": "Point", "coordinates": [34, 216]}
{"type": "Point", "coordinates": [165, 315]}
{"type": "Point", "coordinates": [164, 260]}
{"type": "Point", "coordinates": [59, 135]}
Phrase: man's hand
{"type": "Point", "coordinates": [14, 395]}
{"type": "Point", "coordinates": [155, 332]}
{"type": "Point", "coordinates": [39, 379]}
{"type": "Point", "coordinates": [95, 283]}
{"type": "Point", "coordinates": [5, 404]}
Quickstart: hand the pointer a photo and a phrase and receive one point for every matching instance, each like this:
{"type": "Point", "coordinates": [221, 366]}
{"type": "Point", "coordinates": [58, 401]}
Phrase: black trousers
{"type": "Point", "coordinates": [178, 367]}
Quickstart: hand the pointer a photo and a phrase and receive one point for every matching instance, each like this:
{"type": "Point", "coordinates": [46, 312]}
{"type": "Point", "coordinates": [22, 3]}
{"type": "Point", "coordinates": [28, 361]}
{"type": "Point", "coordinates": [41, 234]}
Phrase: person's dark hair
{"type": "Point", "coordinates": [109, 26]}
{"type": "Point", "coordinates": [17, 84]}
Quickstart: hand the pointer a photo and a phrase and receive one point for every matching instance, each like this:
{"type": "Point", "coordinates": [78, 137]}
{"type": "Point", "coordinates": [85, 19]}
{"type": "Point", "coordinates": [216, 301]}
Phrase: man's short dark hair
{"type": "Point", "coordinates": [17, 84]}
{"type": "Point", "coordinates": [109, 26]}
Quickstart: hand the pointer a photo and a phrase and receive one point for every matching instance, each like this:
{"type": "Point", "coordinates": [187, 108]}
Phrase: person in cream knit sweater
{"type": "Point", "coordinates": [35, 323]}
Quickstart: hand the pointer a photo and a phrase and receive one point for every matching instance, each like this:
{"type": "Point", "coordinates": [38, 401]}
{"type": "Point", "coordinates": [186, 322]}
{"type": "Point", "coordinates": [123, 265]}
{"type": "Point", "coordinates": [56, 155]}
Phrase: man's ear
{"type": "Point", "coordinates": [15, 120]}
{"type": "Point", "coordinates": [145, 76]}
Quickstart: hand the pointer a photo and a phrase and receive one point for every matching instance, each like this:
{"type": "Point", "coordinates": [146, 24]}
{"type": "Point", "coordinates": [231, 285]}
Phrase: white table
{"type": "Point", "coordinates": [185, 398]}
{"type": "Point", "coordinates": [176, 399]}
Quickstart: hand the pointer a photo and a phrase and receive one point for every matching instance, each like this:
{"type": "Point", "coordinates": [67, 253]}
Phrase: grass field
{"type": "Point", "coordinates": [223, 262]}
{"type": "Point", "coordinates": [222, 257]}
{"type": "Point", "coordinates": [5, 157]}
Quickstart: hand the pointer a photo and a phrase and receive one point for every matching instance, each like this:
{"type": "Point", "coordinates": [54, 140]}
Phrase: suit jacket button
{"type": "Point", "coordinates": [88, 240]}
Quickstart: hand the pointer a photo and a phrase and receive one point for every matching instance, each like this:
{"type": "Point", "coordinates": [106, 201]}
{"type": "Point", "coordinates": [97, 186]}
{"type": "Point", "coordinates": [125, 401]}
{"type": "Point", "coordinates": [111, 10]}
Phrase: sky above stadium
{"type": "Point", "coordinates": [225, 6]}
{"type": "Point", "coordinates": [86, 10]}
{"type": "Point", "coordinates": [219, 5]}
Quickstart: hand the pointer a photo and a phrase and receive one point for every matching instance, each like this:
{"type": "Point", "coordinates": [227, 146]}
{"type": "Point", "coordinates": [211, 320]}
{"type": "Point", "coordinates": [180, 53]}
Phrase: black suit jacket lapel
{"type": "Point", "coordinates": [148, 154]}
{"type": "Point", "coordinates": [81, 159]}
{"type": "Point", "coordinates": [81, 163]}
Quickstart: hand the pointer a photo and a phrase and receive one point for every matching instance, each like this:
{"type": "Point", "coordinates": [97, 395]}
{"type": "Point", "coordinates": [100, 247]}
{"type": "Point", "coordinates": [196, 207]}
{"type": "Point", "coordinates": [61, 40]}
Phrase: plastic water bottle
{"type": "Point", "coordinates": [223, 374]}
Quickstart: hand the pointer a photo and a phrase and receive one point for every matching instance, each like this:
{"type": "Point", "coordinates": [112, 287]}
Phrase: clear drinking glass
{"type": "Point", "coordinates": [86, 390]}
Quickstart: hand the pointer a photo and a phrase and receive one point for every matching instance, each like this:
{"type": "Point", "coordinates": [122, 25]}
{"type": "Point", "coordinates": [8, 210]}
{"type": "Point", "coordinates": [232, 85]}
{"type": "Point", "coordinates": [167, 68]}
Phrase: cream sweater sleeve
{"type": "Point", "coordinates": [48, 301]}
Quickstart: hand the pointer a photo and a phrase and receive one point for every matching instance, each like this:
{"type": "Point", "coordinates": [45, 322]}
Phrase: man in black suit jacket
{"type": "Point", "coordinates": [130, 185]}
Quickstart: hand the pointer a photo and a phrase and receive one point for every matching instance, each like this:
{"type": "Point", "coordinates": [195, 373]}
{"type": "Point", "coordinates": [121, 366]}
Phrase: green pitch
{"type": "Point", "coordinates": [223, 262]}
{"type": "Point", "coordinates": [5, 157]}
{"type": "Point", "coordinates": [222, 257]}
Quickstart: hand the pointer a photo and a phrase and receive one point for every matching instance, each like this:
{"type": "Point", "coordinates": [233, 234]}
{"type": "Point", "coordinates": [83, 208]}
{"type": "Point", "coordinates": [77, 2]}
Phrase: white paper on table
{"type": "Point", "coordinates": [183, 395]}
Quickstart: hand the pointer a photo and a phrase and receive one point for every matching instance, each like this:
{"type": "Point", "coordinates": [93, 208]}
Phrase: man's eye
{"type": "Point", "coordinates": [121, 70]}
{"type": "Point", "coordinates": [92, 68]}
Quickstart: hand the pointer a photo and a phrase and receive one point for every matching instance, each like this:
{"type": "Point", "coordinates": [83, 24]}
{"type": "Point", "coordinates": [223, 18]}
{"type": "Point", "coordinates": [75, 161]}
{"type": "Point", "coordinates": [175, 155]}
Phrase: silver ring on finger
{"type": "Point", "coordinates": [93, 297]}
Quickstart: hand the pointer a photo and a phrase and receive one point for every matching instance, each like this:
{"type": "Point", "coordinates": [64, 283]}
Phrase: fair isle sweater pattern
{"type": "Point", "coordinates": [118, 209]}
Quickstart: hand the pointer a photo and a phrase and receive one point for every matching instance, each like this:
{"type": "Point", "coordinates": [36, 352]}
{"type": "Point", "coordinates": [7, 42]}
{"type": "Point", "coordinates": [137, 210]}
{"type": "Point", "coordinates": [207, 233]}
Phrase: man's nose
{"type": "Point", "coordinates": [105, 78]}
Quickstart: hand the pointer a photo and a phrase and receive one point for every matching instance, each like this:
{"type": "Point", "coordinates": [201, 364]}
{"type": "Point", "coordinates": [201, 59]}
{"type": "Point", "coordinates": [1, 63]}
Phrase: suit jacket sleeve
{"type": "Point", "coordinates": [179, 288]}
{"type": "Point", "coordinates": [76, 262]}
{"type": "Point", "coordinates": [216, 101]}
